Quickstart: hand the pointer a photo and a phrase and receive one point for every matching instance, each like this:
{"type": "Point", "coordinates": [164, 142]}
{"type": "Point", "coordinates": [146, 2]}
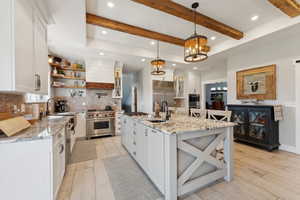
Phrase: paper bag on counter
{"type": "Point", "coordinates": [13, 126]}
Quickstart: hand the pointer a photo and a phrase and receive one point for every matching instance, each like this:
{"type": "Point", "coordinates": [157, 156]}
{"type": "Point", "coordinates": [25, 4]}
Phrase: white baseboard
{"type": "Point", "coordinates": [288, 148]}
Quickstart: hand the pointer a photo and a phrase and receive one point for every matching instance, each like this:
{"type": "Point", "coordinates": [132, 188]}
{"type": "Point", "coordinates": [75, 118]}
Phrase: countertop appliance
{"type": "Point", "coordinates": [61, 106]}
{"type": "Point", "coordinates": [100, 123]}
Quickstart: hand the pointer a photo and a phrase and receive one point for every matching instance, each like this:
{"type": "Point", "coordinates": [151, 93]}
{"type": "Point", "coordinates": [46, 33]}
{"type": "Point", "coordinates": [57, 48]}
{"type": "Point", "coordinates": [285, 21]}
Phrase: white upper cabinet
{"type": "Point", "coordinates": [23, 49]}
{"type": "Point", "coordinates": [100, 71]}
{"type": "Point", "coordinates": [41, 65]}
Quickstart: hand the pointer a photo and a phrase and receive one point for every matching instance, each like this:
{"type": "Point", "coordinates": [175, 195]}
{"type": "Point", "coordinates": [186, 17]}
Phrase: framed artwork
{"type": "Point", "coordinates": [257, 83]}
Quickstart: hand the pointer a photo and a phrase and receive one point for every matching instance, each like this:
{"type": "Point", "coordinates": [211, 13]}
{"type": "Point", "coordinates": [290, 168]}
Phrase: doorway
{"type": "Point", "coordinates": [216, 95]}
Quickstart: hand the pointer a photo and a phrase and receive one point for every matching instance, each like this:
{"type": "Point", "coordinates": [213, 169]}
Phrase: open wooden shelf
{"type": "Point", "coordinates": [66, 68]}
{"type": "Point", "coordinates": [69, 87]}
{"type": "Point", "coordinates": [67, 77]}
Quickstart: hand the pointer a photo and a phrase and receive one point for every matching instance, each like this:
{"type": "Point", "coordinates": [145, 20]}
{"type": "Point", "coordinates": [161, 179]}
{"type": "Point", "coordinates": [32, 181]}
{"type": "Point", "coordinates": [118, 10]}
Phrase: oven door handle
{"type": "Point", "coordinates": [101, 120]}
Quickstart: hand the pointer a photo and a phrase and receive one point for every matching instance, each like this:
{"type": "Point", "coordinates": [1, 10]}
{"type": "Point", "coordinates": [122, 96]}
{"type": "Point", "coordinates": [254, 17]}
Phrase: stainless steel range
{"type": "Point", "coordinates": [100, 123]}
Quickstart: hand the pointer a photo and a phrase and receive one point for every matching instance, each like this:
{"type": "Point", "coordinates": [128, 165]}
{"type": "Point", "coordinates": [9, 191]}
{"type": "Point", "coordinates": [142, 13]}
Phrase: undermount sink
{"type": "Point", "coordinates": [156, 121]}
{"type": "Point", "coordinates": [52, 117]}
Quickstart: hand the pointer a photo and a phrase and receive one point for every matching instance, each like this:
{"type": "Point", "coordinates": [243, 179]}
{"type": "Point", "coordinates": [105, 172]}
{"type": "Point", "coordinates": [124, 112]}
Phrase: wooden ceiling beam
{"type": "Point", "coordinates": [134, 30]}
{"type": "Point", "coordinates": [180, 11]}
{"type": "Point", "coordinates": [289, 7]}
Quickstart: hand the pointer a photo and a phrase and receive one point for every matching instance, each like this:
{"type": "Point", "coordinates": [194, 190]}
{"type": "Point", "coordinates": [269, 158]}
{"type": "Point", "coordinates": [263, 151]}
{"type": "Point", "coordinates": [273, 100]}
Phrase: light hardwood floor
{"type": "Point", "coordinates": [259, 175]}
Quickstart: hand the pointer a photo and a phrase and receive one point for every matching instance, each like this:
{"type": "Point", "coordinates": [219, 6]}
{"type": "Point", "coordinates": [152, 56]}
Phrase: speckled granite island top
{"type": "Point", "coordinates": [181, 124]}
{"type": "Point", "coordinates": [40, 130]}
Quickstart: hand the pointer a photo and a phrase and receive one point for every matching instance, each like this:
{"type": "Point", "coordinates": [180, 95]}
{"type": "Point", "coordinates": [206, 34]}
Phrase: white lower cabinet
{"type": "Point", "coordinates": [59, 160]}
{"type": "Point", "coordinates": [146, 146]}
{"type": "Point", "coordinates": [80, 129]}
{"type": "Point", "coordinates": [155, 158]}
{"type": "Point", "coordinates": [142, 147]}
{"type": "Point", "coordinates": [32, 169]}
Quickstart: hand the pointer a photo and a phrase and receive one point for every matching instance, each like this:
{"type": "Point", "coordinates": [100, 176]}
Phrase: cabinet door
{"type": "Point", "coordinates": [123, 130]}
{"type": "Point", "coordinates": [41, 56]}
{"type": "Point", "coordinates": [142, 146]}
{"type": "Point", "coordinates": [132, 138]}
{"type": "Point", "coordinates": [156, 158]}
{"type": "Point", "coordinates": [80, 130]}
{"type": "Point", "coordinates": [258, 125]}
{"type": "Point", "coordinates": [24, 47]}
{"type": "Point", "coordinates": [56, 165]}
{"type": "Point", "coordinates": [240, 116]}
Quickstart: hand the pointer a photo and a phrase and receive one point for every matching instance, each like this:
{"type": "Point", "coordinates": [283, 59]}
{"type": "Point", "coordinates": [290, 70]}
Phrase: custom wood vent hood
{"type": "Point", "coordinates": [103, 86]}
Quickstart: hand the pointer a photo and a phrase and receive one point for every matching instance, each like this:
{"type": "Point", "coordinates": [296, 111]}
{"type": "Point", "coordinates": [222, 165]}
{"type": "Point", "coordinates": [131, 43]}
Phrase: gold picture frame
{"type": "Point", "coordinates": [257, 83]}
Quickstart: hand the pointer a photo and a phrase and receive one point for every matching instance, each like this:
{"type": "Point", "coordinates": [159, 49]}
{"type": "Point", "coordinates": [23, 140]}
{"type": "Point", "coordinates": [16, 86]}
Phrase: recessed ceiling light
{"type": "Point", "coordinates": [173, 64]}
{"type": "Point", "coordinates": [101, 54]}
{"type": "Point", "coordinates": [104, 32]}
{"type": "Point", "coordinates": [152, 43]}
{"type": "Point", "coordinates": [110, 4]}
{"type": "Point", "coordinates": [143, 60]}
{"type": "Point", "coordinates": [213, 38]}
{"type": "Point", "coordinates": [195, 68]}
{"type": "Point", "coordinates": [254, 18]}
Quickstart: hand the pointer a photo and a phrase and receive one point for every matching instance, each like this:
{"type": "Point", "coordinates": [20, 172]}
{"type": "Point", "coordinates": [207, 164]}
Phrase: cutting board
{"type": "Point", "coordinates": [14, 125]}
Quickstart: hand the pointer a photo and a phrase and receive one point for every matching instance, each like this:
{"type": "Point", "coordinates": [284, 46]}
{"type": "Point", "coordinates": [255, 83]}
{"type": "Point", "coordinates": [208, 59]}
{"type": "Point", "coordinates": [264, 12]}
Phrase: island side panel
{"type": "Point", "coordinates": [202, 146]}
{"type": "Point", "coordinates": [228, 154]}
{"type": "Point", "coordinates": [171, 167]}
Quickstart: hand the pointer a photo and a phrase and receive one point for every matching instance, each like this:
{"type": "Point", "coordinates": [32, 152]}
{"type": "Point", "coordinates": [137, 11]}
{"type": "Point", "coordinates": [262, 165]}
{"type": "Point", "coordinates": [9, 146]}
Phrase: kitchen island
{"type": "Point", "coordinates": [181, 155]}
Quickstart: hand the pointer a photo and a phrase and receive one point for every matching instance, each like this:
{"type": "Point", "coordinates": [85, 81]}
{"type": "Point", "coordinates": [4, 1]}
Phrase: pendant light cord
{"type": "Point", "coordinates": [157, 49]}
{"type": "Point", "coordinates": [195, 21]}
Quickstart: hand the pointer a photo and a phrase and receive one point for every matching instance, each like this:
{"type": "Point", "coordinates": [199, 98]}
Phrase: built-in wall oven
{"type": "Point", "coordinates": [100, 123]}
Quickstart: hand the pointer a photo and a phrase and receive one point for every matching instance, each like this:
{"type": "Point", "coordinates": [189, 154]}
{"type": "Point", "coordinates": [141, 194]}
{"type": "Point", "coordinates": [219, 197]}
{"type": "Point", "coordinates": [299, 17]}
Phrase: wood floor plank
{"type": "Point", "coordinates": [102, 182]}
{"type": "Point", "coordinates": [84, 185]}
{"type": "Point", "coordinates": [259, 175]}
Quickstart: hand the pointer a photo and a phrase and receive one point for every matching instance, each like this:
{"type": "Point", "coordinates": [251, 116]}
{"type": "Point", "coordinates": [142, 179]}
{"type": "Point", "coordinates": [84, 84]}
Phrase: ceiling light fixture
{"type": "Point", "coordinates": [104, 32]}
{"type": "Point", "coordinates": [173, 64]}
{"type": "Point", "coordinates": [152, 43]}
{"type": "Point", "coordinates": [158, 64]}
{"type": "Point", "coordinates": [254, 18]}
{"type": "Point", "coordinates": [110, 4]}
{"type": "Point", "coordinates": [101, 54]}
{"type": "Point", "coordinates": [195, 68]}
{"type": "Point", "coordinates": [195, 47]}
{"type": "Point", "coordinates": [213, 38]}
{"type": "Point", "coordinates": [143, 60]}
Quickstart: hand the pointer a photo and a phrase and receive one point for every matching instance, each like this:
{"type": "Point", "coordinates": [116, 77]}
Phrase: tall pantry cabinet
{"type": "Point", "coordinates": [23, 49]}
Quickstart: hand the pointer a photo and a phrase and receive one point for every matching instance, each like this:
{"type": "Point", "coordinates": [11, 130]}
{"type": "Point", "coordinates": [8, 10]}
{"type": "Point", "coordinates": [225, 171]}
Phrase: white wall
{"type": "Point", "coordinates": [282, 54]}
{"type": "Point", "coordinates": [217, 73]}
{"type": "Point", "coordinates": [280, 49]}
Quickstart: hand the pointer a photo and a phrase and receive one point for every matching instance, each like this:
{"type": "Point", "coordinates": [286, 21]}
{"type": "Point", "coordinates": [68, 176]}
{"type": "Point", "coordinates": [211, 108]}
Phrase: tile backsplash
{"type": "Point", "coordinates": [10, 103]}
{"type": "Point", "coordinates": [15, 104]}
{"type": "Point", "coordinates": [93, 99]}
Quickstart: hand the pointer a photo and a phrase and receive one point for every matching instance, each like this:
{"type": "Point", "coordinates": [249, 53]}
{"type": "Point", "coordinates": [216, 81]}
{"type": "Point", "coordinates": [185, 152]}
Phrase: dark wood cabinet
{"type": "Point", "coordinates": [256, 125]}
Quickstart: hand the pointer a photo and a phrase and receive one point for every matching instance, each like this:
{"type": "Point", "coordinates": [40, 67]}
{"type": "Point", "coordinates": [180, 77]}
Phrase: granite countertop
{"type": "Point", "coordinates": [40, 130]}
{"type": "Point", "coordinates": [181, 124]}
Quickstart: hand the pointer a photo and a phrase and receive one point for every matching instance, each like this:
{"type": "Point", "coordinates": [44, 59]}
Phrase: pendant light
{"type": "Point", "coordinates": [158, 64]}
{"type": "Point", "coordinates": [195, 49]}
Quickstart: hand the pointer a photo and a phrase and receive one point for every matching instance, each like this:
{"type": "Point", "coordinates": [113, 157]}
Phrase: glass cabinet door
{"type": "Point", "coordinates": [258, 124]}
{"type": "Point", "coordinates": [239, 116]}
